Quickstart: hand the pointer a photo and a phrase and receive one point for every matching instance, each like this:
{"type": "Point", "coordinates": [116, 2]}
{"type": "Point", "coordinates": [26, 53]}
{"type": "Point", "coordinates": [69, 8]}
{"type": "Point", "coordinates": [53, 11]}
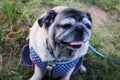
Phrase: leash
{"type": "Point", "coordinates": [103, 56]}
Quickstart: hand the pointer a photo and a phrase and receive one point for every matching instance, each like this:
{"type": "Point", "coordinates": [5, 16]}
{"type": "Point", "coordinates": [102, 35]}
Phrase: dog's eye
{"type": "Point", "coordinates": [66, 26]}
{"type": "Point", "coordinates": [88, 26]}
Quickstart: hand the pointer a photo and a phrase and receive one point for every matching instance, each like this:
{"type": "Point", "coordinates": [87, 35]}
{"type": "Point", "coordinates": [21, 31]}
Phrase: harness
{"type": "Point", "coordinates": [52, 69]}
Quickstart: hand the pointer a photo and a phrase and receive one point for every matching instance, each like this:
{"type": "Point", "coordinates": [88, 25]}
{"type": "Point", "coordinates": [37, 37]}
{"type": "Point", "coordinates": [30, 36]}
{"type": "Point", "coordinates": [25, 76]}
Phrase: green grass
{"type": "Point", "coordinates": [17, 14]}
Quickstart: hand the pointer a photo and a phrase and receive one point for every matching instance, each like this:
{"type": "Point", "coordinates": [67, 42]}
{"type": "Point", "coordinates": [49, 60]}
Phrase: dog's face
{"type": "Point", "coordinates": [70, 27]}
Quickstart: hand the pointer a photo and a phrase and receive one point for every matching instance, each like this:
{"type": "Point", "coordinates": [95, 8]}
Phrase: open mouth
{"type": "Point", "coordinates": [73, 44]}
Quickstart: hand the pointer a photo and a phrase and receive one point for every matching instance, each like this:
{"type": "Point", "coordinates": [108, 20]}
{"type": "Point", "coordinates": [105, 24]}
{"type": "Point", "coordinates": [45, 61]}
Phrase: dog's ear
{"type": "Point", "coordinates": [89, 17]}
{"type": "Point", "coordinates": [48, 18]}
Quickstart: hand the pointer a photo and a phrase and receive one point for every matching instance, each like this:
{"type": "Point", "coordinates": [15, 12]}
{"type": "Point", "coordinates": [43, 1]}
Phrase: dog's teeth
{"type": "Point", "coordinates": [76, 43]}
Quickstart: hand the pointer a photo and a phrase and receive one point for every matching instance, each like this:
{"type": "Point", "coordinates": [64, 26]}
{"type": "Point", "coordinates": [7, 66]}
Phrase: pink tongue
{"type": "Point", "coordinates": [76, 43]}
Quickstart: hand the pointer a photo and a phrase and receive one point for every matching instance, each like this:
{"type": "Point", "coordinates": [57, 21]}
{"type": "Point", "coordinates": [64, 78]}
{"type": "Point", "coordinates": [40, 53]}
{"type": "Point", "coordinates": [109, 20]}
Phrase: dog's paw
{"type": "Point", "coordinates": [83, 69]}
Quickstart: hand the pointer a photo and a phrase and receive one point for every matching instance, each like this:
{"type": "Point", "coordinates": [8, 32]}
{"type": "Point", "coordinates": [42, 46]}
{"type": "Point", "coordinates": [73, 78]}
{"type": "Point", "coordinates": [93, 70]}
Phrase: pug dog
{"type": "Point", "coordinates": [61, 35]}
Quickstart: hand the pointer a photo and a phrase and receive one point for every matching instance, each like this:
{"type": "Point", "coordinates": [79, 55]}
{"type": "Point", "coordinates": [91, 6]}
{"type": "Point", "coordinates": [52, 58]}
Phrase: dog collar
{"type": "Point", "coordinates": [50, 68]}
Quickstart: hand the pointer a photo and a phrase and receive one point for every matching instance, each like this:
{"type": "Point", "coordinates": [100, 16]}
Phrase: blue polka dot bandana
{"type": "Point", "coordinates": [26, 55]}
{"type": "Point", "coordinates": [53, 69]}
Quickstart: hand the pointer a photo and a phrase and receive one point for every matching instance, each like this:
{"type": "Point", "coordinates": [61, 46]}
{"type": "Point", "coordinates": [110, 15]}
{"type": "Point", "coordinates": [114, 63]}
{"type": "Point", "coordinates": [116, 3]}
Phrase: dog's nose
{"type": "Point", "coordinates": [79, 32]}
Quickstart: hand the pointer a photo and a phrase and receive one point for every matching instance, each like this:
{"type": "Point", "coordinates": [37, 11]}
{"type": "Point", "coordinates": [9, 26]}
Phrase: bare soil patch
{"type": "Point", "coordinates": [99, 16]}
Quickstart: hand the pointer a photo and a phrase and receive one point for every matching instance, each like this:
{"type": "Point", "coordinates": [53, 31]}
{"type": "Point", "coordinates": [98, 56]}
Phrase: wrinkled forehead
{"type": "Point", "coordinates": [73, 13]}
{"type": "Point", "coordinates": [71, 16]}
{"type": "Point", "coordinates": [68, 21]}
{"type": "Point", "coordinates": [73, 21]}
